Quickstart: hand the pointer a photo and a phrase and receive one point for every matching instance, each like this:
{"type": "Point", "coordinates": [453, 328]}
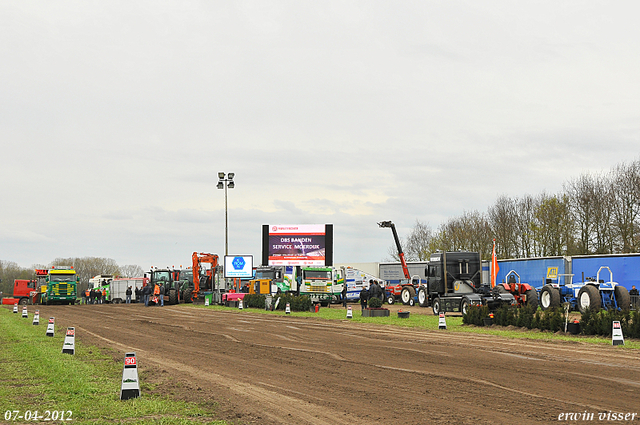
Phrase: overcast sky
{"type": "Point", "coordinates": [115, 118]}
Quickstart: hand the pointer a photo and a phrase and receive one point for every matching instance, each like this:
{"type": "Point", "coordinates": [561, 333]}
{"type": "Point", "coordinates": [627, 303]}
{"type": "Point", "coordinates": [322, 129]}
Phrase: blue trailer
{"type": "Point", "coordinates": [533, 270]}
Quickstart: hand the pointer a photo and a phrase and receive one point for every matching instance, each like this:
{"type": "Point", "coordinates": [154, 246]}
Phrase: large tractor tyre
{"type": "Point", "coordinates": [464, 305]}
{"type": "Point", "coordinates": [188, 296]}
{"type": "Point", "coordinates": [532, 299]}
{"type": "Point", "coordinates": [423, 298]}
{"type": "Point", "coordinates": [436, 306]}
{"type": "Point", "coordinates": [589, 297]}
{"type": "Point", "coordinates": [407, 294]}
{"type": "Point", "coordinates": [173, 297]}
{"type": "Point", "coordinates": [549, 297]}
{"type": "Point", "coordinates": [623, 299]}
{"type": "Point", "coordinates": [391, 299]}
{"type": "Point", "coordinates": [23, 301]}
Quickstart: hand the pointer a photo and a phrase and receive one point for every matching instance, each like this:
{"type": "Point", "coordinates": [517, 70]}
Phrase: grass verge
{"type": "Point", "coordinates": [35, 375]}
{"type": "Point", "coordinates": [424, 321]}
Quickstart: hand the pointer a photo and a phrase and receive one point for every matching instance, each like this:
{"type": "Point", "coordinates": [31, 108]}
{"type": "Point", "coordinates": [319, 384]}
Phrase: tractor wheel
{"type": "Point", "coordinates": [173, 297]}
{"type": "Point", "coordinates": [188, 297]}
{"type": "Point", "coordinates": [412, 302]}
{"type": "Point", "coordinates": [24, 301]}
{"type": "Point", "coordinates": [622, 297]}
{"type": "Point", "coordinates": [464, 305]}
{"type": "Point", "coordinates": [532, 299]}
{"type": "Point", "coordinates": [436, 306]}
{"type": "Point", "coordinates": [589, 297]}
{"type": "Point", "coordinates": [391, 299]}
{"type": "Point", "coordinates": [423, 298]}
{"type": "Point", "coordinates": [408, 292]}
{"type": "Point", "coordinates": [549, 297]}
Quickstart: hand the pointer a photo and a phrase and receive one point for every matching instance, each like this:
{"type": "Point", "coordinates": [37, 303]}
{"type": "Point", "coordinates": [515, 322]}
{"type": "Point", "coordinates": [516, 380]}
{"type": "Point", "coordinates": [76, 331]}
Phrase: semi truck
{"type": "Point", "coordinates": [454, 283]}
{"type": "Point", "coordinates": [23, 292]}
{"type": "Point", "coordinates": [322, 284]}
{"type": "Point", "coordinates": [61, 286]}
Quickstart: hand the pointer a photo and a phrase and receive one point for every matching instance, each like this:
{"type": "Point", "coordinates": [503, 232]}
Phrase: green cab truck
{"type": "Point", "coordinates": [61, 286]}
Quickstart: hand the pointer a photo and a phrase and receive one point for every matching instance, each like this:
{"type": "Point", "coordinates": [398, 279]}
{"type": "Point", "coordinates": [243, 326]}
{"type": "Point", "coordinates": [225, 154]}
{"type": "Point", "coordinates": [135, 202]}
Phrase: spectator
{"type": "Point", "coordinates": [104, 295]}
{"type": "Point", "coordinates": [99, 296]}
{"type": "Point", "coordinates": [161, 292]}
{"type": "Point", "coordinates": [138, 295]}
{"type": "Point", "coordinates": [633, 290]}
{"type": "Point", "coordinates": [128, 293]}
{"type": "Point", "coordinates": [344, 294]}
{"type": "Point", "coordinates": [375, 291]}
{"type": "Point", "coordinates": [146, 291]}
{"type": "Point", "coordinates": [364, 297]}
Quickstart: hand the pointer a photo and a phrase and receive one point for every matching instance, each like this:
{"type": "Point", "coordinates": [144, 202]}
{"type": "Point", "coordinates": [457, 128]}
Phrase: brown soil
{"type": "Point", "coordinates": [286, 369]}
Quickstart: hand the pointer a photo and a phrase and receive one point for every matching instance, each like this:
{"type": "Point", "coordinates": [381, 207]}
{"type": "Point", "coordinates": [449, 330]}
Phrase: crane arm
{"type": "Point", "coordinates": [405, 269]}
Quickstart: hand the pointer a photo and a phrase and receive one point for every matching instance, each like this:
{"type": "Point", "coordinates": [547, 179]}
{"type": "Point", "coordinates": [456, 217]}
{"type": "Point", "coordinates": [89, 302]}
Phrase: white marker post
{"type": "Point", "coordinates": [36, 317]}
{"type": "Point", "coordinates": [616, 335]}
{"type": "Point", "coordinates": [15, 308]}
{"type": "Point", "coordinates": [442, 321]}
{"type": "Point", "coordinates": [287, 309]}
{"type": "Point", "coordinates": [206, 301]}
{"type": "Point", "coordinates": [240, 304]}
{"type": "Point", "coordinates": [130, 385]}
{"type": "Point", "coordinates": [69, 346]}
{"type": "Point", "coordinates": [51, 326]}
{"type": "Point", "coordinates": [25, 313]}
{"type": "Point", "coordinates": [349, 313]}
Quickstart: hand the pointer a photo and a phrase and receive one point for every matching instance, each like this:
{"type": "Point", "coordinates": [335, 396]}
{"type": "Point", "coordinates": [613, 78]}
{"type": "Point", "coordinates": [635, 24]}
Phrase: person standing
{"type": "Point", "coordinates": [344, 294]}
{"type": "Point", "coordinates": [161, 292]}
{"type": "Point", "coordinates": [128, 294]}
{"type": "Point", "coordinates": [104, 295]}
{"type": "Point", "coordinates": [99, 296]}
{"type": "Point", "coordinates": [138, 295]}
{"type": "Point", "coordinates": [364, 297]}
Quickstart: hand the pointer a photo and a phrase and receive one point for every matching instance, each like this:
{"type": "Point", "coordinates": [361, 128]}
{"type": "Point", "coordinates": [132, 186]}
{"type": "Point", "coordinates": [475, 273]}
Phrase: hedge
{"type": "Point", "coordinates": [296, 303]}
{"type": "Point", "coordinates": [591, 322]}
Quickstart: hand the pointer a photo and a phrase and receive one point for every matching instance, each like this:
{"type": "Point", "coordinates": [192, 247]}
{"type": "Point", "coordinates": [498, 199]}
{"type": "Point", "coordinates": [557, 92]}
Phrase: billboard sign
{"type": "Point", "coordinates": [297, 245]}
{"type": "Point", "coordinates": [238, 266]}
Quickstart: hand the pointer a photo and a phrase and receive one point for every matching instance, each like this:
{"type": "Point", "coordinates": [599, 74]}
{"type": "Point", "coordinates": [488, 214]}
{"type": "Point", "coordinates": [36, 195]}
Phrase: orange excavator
{"type": "Point", "coordinates": [209, 275]}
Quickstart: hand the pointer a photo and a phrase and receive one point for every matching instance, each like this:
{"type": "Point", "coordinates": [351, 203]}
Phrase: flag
{"type": "Point", "coordinates": [494, 266]}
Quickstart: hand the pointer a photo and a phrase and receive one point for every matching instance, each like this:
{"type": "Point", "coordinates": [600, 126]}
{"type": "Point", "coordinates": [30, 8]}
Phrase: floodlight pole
{"type": "Point", "coordinates": [224, 183]}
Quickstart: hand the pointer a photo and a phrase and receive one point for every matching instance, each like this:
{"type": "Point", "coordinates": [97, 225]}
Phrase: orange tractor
{"type": "Point", "coordinates": [524, 293]}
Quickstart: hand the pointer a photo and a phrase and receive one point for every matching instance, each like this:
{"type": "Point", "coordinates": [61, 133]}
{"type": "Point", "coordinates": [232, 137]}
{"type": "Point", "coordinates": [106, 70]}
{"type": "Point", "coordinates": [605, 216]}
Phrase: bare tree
{"type": "Point", "coordinates": [502, 217]}
{"type": "Point", "coordinates": [131, 270]}
{"type": "Point", "coordinates": [416, 245]}
{"type": "Point", "coordinates": [626, 205]}
{"type": "Point", "coordinates": [88, 267]}
{"type": "Point", "coordinates": [553, 226]}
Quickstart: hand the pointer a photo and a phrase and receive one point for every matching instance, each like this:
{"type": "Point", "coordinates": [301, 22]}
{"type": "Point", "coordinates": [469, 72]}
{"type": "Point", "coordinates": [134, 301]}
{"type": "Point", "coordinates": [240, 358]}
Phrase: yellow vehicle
{"type": "Point", "coordinates": [61, 286]}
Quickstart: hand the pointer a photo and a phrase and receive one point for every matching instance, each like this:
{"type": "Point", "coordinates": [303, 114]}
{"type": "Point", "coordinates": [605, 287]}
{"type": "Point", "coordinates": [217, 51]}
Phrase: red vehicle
{"type": "Point", "coordinates": [23, 292]}
{"type": "Point", "coordinates": [524, 293]}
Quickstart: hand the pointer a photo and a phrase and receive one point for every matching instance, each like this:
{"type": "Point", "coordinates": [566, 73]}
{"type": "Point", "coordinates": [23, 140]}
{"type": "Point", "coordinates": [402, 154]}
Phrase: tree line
{"type": "Point", "coordinates": [86, 268]}
{"type": "Point", "coordinates": [595, 213]}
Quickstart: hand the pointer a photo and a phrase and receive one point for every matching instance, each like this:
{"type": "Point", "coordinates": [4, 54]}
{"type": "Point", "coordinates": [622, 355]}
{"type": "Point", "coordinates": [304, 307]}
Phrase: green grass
{"type": "Point", "coordinates": [35, 375]}
{"type": "Point", "coordinates": [454, 324]}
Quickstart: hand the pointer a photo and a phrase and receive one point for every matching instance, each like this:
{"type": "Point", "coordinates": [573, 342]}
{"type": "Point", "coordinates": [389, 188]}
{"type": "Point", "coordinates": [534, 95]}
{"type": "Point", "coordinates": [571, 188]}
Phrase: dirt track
{"type": "Point", "coordinates": [286, 369]}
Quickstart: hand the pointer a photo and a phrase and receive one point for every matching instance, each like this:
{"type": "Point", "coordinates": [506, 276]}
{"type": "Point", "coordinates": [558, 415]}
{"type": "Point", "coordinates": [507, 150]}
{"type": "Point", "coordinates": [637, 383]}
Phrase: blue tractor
{"type": "Point", "coordinates": [592, 293]}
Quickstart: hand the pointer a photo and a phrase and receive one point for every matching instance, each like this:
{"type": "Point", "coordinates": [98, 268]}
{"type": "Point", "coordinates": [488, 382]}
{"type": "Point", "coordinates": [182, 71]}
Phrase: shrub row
{"type": "Point", "coordinates": [297, 303]}
{"type": "Point", "coordinates": [526, 317]}
{"type": "Point", "coordinates": [591, 322]}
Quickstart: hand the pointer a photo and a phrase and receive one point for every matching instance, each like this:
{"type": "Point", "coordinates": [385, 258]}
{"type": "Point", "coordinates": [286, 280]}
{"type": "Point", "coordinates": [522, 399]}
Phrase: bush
{"type": "Point", "coordinates": [296, 302]}
{"type": "Point", "coordinates": [475, 315]}
{"type": "Point", "coordinates": [254, 301]}
{"type": "Point", "coordinates": [601, 322]}
{"type": "Point", "coordinates": [374, 303]}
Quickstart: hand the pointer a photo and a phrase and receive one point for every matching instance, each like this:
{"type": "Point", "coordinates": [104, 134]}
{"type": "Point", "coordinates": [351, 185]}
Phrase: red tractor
{"type": "Point", "coordinates": [407, 288]}
{"type": "Point", "coordinates": [524, 293]}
